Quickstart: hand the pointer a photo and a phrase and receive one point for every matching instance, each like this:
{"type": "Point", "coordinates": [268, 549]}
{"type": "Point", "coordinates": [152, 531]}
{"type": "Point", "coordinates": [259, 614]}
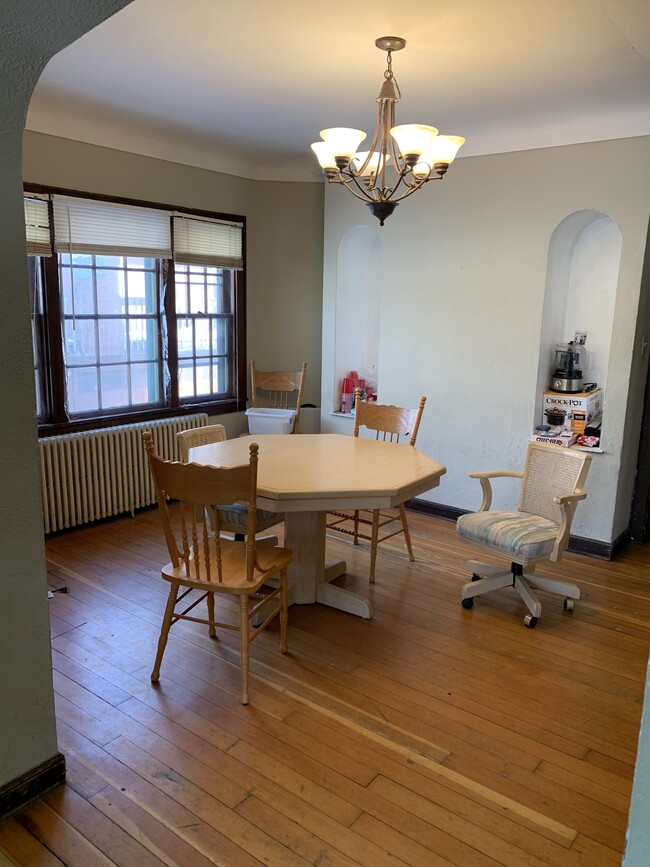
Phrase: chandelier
{"type": "Point", "coordinates": [400, 160]}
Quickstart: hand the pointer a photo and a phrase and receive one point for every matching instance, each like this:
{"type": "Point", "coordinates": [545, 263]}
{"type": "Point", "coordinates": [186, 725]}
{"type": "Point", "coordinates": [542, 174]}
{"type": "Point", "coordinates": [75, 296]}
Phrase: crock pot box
{"type": "Point", "coordinates": [586, 405]}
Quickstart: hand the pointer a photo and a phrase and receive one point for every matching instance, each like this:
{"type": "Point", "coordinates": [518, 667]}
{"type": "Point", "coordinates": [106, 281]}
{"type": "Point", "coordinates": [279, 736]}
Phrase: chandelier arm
{"type": "Point", "coordinates": [364, 197]}
{"type": "Point", "coordinates": [412, 188]}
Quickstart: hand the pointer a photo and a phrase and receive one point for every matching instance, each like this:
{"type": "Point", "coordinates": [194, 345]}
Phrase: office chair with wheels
{"type": "Point", "coordinates": [552, 486]}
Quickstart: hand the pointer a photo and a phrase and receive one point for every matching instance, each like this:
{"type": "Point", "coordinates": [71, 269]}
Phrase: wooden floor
{"type": "Point", "coordinates": [430, 735]}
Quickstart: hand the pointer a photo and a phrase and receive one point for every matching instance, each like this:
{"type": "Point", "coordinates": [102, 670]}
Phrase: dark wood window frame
{"type": "Point", "coordinates": [51, 336]}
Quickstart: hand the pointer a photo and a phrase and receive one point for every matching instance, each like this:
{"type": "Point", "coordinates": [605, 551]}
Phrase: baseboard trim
{"type": "Point", "coordinates": [436, 510]}
{"type": "Point", "coordinates": [19, 792]}
{"type": "Point", "coordinates": [577, 544]}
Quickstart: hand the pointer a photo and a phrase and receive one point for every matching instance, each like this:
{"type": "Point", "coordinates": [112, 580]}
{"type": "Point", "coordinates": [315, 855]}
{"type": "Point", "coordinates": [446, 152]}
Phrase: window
{"type": "Point", "coordinates": [127, 323]}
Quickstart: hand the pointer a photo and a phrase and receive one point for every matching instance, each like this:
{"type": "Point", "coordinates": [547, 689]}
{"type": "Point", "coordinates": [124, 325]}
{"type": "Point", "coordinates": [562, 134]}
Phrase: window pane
{"type": "Point", "coordinates": [215, 291]}
{"type": "Point", "coordinates": [203, 384]}
{"type": "Point", "coordinates": [220, 376]}
{"type": "Point", "coordinates": [112, 341]}
{"type": "Point", "coordinates": [220, 336]}
{"type": "Point", "coordinates": [144, 383]}
{"type": "Point", "coordinates": [115, 386]}
{"type": "Point", "coordinates": [185, 333]}
{"type": "Point", "coordinates": [80, 342]}
{"type": "Point", "coordinates": [111, 292]}
{"type": "Point", "coordinates": [81, 280]}
{"type": "Point", "coordinates": [180, 276]}
{"type": "Point", "coordinates": [142, 340]}
{"type": "Point", "coordinates": [82, 392]}
{"type": "Point", "coordinates": [197, 294]}
{"type": "Point", "coordinates": [141, 286]}
{"type": "Point", "coordinates": [186, 378]}
{"type": "Point", "coordinates": [202, 336]}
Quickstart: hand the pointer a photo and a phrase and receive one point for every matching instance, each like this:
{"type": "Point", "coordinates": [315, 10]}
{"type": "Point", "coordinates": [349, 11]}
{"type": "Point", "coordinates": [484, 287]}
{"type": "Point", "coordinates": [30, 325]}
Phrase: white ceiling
{"type": "Point", "coordinates": [244, 86]}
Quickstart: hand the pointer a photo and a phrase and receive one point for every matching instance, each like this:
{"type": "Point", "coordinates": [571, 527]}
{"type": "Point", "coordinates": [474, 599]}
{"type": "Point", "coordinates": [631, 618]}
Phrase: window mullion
{"type": "Point", "coordinates": [169, 302]}
{"type": "Point", "coordinates": [54, 329]}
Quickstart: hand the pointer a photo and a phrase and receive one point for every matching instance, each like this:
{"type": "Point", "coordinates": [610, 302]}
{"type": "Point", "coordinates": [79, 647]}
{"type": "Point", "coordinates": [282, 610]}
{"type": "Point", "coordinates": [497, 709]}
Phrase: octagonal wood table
{"type": "Point", "coordinates": [306, 475]}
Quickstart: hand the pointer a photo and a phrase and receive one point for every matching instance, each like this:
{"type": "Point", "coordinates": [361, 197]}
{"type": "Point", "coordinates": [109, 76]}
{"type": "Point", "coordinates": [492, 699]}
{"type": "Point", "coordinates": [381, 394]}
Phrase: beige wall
{"type": "Point", "coordinates": [284, 236]}
{"type": "Point", "coordinates": [461, 303]}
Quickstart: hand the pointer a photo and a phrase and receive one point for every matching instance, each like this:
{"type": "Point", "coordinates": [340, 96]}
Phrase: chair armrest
{"type": "Point", "coordinates": [567, 504]}
{"type": "Point", "coordinates": [569, 498]}
{"type": "Point", "coordinates": [484, 479]}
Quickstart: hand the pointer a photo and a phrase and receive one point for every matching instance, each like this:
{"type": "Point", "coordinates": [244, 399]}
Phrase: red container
{"type": "Point", "coordinates": [347, 386]}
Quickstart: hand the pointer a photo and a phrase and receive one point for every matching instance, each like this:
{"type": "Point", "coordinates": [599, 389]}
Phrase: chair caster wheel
{"type": "Point", "coordinates": [530, 621]}
{"type": "Point", "coordinates": [467, 603]}
{"type": "Point", "coordinates": [569, 604]}
{"type": "Point", "coordinates": [476, 577]}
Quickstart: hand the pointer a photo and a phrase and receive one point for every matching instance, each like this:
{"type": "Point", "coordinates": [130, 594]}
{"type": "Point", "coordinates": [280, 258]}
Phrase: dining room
{"type": "Point", "coordinates": [400, 726]}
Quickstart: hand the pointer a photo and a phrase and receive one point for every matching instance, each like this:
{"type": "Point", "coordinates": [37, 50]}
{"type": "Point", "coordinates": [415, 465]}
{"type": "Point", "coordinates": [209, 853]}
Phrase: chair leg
{"type": "Point", "coordinates": [562, 588]}
{"type": "Point", "coordinates": [164, 631]}
{"type": "Point", "coordinates": [530, 599]}
{"type": "Point", "coordinates": [284, 617]}
{"type": "Point", "coordinates": [212, 631]}
{"type": "Point", "coordinates": [356, 527]}
{"type": "Point", "coordinates": [374, 543]}
{"type": "Point", "coordinates": [407, 535]}
{"type": "Point", "coordinates": [244, 642]}
{"type": "Point", "coordinates": [496, 581]}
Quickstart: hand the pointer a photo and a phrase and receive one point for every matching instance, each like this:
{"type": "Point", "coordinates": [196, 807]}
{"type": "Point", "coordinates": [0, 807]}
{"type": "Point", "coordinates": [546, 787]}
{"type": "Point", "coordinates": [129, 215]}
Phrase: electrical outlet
{"type": "Point", "coordinates": [580, 338]}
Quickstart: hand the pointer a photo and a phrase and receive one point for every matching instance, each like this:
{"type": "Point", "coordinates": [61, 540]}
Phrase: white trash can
{"type": "Point", "coordinates": [267, 420]}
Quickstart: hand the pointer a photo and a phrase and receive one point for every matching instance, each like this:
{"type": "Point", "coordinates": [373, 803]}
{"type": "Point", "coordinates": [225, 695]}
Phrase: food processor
{"type": "Point", "coordinates": [567, 376]}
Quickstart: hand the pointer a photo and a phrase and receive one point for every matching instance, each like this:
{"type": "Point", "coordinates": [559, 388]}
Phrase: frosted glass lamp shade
{"type": "Point", "coordinates": [341, 141]}
{"type": "Point", "coordinates": [414, 138]}
{"type": "Point", "coordinates": [443, 149]}
{"type": "Point", "coordinates": [324, 155]}
{"type": "Point", "coordinates": [373, 164]}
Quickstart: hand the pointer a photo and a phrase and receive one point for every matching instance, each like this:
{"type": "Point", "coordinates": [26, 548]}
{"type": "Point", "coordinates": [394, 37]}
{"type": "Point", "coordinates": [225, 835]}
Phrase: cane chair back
{"type": "Point", "coordinates": [199, 436]}
{"type": "Point", "coordinates": [548, 474]}
{"type": "Point", "coordinates": [389, 423]}
{"type": "Point", "coordinates": [232, 518]}
{"type": "Point", "coordinates": [201, 560]}
{"type": "Point", "coordinates": [278, 389]}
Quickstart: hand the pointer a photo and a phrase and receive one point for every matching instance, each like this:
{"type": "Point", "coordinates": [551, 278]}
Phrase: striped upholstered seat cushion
{"type": "Point", "coordinates": [234, 517]}
{"type": "Point", "coordinates": [516, 533]}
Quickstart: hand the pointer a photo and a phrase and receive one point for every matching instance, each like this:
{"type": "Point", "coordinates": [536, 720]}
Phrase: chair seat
{"type": "Point", "coordinates": [234, 517]}
{"type": "Point", "coordinates": [233, 560]}
{"type": "Point", "coordinates": [517, 533]}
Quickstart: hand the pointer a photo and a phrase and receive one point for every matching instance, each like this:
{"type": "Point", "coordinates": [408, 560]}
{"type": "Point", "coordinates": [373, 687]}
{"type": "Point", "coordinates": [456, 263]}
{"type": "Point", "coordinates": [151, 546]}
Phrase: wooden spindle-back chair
{"type": "Point", "coordinates": [201, 560]}
{"type": "Point", "coordinates": [272, 388]}
{"type": "Point", "coordinates": [390, 423]}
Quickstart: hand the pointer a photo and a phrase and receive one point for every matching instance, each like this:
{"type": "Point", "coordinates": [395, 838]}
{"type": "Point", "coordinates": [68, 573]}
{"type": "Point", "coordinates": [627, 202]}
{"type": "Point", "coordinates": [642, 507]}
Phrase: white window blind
{"type": "Point", "coordinates": [110, 229]}
{"type": "Point", "coordinates": [208, 242]}
{"type": "Point", "coordinates": [37, 226]}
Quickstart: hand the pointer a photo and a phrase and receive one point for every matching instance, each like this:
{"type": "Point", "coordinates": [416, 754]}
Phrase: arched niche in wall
{"type": "Point", "coordinates": [581, 279]}
{"type": "Point", "coordinates": [358, 276]}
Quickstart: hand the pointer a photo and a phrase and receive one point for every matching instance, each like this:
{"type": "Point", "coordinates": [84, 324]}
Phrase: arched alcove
{"type": "Point", "coordinates": [358, 275]}
{"type": "Point", "coordinates": [581, 280]}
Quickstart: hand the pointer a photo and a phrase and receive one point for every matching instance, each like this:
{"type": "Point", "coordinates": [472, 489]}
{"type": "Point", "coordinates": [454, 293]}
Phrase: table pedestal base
{"type": "Point", "coordinates": [308, 573]}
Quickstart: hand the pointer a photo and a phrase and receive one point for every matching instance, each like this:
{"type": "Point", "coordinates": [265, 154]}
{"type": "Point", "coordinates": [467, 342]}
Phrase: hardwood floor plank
{"type": "Point", "coordinates": [161, 841]}
{"type": "Point", "coordinates": [58, 835]}
{"type": "Point", "coordinates": [21, 848]}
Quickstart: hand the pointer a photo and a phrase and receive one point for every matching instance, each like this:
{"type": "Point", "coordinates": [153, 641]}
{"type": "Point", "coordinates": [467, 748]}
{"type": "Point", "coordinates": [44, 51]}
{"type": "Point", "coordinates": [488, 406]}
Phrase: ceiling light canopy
{"type": "Point", "coordinates": [400, 160]}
